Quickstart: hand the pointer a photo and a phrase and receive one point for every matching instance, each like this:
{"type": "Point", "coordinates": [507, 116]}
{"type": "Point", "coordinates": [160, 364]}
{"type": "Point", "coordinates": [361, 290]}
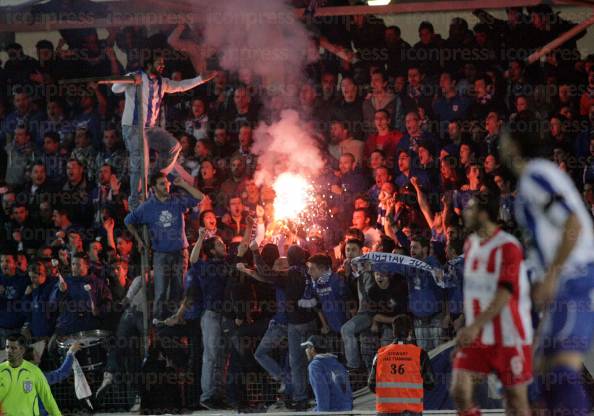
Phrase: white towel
{"type": "Point", "coordinates": [81, 386]}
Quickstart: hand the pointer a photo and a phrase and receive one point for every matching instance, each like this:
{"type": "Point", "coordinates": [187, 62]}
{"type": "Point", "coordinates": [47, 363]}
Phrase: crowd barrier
{"type": "Point", "coordinates": [261, 391]}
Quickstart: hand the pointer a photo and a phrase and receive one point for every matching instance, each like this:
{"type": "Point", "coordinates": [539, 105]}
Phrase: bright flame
{"type": "Point", "coordinates": [293, 194]}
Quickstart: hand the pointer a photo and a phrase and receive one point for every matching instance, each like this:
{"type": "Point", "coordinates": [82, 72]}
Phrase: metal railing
{"type": "Point", "coordinates": [259, 392]}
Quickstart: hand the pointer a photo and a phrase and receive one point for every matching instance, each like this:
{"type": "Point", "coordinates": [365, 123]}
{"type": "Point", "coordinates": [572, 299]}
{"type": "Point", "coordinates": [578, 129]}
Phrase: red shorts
{"type": "Point", "coordinates": [513, 365]}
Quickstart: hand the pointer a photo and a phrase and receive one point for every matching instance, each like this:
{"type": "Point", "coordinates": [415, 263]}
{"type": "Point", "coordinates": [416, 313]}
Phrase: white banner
{"type": "Point", "coordinates": [393, 259]}
{"type": "Point", "coordinates": [81, 386]}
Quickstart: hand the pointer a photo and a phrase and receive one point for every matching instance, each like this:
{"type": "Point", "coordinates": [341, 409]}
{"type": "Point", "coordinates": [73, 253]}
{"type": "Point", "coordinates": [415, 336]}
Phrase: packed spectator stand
{"type": "Point", "coordinates": [407, 137]}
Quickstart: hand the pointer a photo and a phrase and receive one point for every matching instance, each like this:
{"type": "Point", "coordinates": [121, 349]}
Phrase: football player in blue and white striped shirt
{"type": "Point", "coordinates": [560, 242]}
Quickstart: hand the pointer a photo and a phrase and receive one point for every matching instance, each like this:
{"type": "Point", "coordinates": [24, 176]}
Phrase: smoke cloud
{"type": "Point", "coordinates": [265, 38]}
{"type": "Point", "coordinates": [262, 35]}
{"type": "Point", "coordinates": [285, 146]}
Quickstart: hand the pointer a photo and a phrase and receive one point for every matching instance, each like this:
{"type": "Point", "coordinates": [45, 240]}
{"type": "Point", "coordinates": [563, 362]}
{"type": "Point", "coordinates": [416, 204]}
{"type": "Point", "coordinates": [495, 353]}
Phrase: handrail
{"type": "Point", "coordinates": [564, 37]}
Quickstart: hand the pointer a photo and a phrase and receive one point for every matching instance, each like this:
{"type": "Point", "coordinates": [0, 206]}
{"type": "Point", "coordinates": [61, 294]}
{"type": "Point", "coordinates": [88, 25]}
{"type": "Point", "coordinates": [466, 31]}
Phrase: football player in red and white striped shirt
{"type": "Point", "coordinates": [497, 337]}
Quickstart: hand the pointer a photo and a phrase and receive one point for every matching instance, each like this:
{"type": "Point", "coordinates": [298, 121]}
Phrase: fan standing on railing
{"type": "Point", "coordinates": [154, 87]}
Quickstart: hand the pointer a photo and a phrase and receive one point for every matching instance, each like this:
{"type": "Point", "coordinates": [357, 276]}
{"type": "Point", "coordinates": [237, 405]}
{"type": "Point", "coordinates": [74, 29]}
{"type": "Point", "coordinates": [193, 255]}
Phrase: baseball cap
{"type": "Point", "coordinates": [316, 341]}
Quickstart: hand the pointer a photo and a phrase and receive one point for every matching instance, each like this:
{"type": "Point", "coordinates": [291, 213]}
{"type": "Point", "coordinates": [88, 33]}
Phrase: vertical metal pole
{"type": "Point", "coordinates": [144, 256]}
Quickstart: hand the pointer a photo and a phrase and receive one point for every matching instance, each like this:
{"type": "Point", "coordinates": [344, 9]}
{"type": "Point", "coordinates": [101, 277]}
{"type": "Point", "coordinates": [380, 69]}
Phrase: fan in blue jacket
{"type": "Point", "coordinates": [39, 318]}
{"type": "Point", "coordinates": [330, 290]}
{"type": "Point", "coordinates": [12, 294]}
{"type": "Point", "coordinates": [328, 377]}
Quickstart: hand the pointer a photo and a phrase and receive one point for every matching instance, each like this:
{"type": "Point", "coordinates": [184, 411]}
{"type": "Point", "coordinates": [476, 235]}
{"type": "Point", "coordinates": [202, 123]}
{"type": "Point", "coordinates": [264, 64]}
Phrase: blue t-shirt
{"type": "Point", "coordinates": [425, 297]}
{"type": "Point", "coordinates": [402, 180]}
{"type": "Point", "coordinates": [40, 317]}
{"type": "Point", "coordinates": [455, 108]}
{"type": "Point", "coordinates": [461, 198]}
{"type": "Point", "coordinates": [12, 301]}
{"type": "Point", "coordinates": [331, 292]}
{"type": "Point", "coordinates": [192, 285]}
{"type": "Point", "coordinates": [165, 221]}
{"type": "Point", "coordinates": [213, 276]}
{"type": "Point", "coordinates": [75, 304]}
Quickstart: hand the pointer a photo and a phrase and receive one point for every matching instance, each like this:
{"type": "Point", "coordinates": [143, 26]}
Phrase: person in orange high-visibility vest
{"type": "Point", "coordinates": [400, 373]}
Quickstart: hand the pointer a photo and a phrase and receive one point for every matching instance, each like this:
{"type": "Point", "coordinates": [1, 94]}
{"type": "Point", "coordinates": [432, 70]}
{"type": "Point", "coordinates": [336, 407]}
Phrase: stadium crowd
{"type": "Point", "coordinates": [408, 133]}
